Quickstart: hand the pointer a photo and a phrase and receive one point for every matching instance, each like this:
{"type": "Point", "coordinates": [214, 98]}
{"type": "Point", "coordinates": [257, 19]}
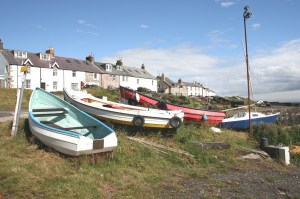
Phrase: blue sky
{"type": "Point", "coordinates": [192, 40]}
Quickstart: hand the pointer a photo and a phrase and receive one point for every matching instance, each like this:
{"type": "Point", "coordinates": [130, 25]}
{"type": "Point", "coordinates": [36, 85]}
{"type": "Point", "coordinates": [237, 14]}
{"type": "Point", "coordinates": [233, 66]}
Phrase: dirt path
{"type": "Point", "coordinates": [249, 179]}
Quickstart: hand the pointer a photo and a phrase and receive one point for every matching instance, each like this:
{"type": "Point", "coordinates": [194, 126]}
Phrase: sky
{"type": "Point", "coordinates": [194, 40]}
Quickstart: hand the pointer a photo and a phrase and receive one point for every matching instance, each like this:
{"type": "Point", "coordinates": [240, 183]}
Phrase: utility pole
{"type": "Point", "coordinates": [247, 15]}
{"type": "Point", "coordinates": [19, 103]}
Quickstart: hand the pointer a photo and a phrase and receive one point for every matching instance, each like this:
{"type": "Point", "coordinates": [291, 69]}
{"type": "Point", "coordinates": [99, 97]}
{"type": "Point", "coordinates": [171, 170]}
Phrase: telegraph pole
{"type": "Point", "coordinates": [246, 16]}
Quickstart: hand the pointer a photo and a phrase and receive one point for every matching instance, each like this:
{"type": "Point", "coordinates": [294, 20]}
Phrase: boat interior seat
{"type": "Point", "coordinates": [52, 124]}
{"type": "Point", "coordinates": [46, 112]}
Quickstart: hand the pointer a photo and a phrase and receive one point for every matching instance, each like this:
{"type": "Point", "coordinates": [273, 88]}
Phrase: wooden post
{"type": "Point", "coordinates": [18, 103]}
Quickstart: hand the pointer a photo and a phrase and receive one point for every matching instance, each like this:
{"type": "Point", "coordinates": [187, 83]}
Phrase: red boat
{"type": "Point", "coordinates": [190, 114]}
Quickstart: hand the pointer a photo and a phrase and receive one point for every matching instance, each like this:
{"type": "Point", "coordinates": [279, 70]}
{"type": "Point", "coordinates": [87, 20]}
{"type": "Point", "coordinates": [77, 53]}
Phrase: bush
{"type": "Point", "coordinates": [277, 134]}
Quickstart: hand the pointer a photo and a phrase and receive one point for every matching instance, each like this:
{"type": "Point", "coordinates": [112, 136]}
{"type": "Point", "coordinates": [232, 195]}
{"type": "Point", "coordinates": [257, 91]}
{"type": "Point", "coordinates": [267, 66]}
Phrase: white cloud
{"type": "Point", "coordinates": [87, 32]}
{"type": "Point", "coordinates": [255, 26]}
{"type": "Point", "coordinates": [226, 3]}
{"type": "Point", "coordinates": [275, 76]}
{"type": "Point", "coordinates": [144, 26]}
{"type": "Point", "coordinates": [84, 22]}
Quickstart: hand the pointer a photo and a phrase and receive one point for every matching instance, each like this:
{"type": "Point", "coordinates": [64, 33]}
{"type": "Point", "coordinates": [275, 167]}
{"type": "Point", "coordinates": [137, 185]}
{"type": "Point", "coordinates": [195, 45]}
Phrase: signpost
{"type": "Point", "coordinates": [18, 103]}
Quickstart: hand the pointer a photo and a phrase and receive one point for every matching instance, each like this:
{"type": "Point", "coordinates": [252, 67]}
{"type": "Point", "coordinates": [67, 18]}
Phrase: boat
{"type": "Point", "coordinates": [190, 114]}
{"type": "Point", "coordinates": [240, 121]}
{"type": "Point", "coordinates": [63, 127]}
{"type": "Point", "coordinates": [124, 114]}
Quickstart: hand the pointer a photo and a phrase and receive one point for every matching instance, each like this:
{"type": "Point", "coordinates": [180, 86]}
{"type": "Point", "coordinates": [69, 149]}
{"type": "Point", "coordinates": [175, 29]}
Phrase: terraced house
{"type": "Point", "coordinates": [52, 73]}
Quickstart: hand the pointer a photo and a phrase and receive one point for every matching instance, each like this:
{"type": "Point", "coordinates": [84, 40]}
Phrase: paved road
{"type": "Point", "coordinates": [9, 115]}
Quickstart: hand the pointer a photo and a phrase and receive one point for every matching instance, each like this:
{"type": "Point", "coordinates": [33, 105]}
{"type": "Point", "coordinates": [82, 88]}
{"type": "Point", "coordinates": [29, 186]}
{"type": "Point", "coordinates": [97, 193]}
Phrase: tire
{"type": "Point", "coordinates": [175, 122]}
{"type": "Point", "coordinates": [138, 121]}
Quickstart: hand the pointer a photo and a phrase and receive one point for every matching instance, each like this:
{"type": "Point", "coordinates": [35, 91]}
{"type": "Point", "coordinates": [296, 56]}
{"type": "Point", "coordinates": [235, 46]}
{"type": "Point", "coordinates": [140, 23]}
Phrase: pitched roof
{"type": "Point", "coordinates": [191, 84]}
{"type": "Point", "coordinates": [64, 63]}
{"type": "Point", "coordinates": [9, 57]}
{"type": "Point", "coordinates": [137, 72]}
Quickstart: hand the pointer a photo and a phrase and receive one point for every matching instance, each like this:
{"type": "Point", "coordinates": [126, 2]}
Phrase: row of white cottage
{"type": "Point", "coordinates": [53, 73]}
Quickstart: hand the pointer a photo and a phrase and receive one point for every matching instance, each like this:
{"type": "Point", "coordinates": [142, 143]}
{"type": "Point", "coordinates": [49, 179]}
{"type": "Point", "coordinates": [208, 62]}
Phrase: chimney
{"type": "Point", "coordinates": [1, 44]}
{"type": "Point", "coordinates": [163, 76]}
{"type": "Point", "coordinates": [90, 58]}
{"type": "Point", "coordinates": [180, 81]}
{"type": "Point", "coordinates": [143, 67]}
{"type": "Point", "coordinates": [51, 52]}
{"type": "Point", "coordinates": [119, 62]}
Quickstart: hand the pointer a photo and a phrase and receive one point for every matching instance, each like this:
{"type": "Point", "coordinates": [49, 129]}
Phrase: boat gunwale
{"type": "Point", "coordinates": [187, 107]}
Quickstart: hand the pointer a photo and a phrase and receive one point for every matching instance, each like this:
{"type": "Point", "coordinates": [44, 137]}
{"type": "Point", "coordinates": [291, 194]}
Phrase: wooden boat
{"type": "Point", "coordinates": [190, 114]}
{"type": "Point", "coordinates": [67, 129]}
{"type": "Point", "coordinates": [241, 120]}
{"type": "Point", "coordinates": [122, 113]}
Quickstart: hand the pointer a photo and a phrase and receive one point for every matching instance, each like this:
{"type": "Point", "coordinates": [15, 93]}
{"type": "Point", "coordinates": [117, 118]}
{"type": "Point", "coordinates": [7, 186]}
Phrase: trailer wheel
{"type": "Point", "coordinates": [138, 121]}
{"type": "Point", "coordinates": [175, 122]}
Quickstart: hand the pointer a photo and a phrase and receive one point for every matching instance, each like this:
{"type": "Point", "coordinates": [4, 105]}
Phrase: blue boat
{"type": "Point", "coordinates": [241, 120]}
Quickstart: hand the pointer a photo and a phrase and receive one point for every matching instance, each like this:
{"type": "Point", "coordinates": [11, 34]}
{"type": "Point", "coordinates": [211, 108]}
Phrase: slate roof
{"type": "Point", "coordinates": [9, 57]}
{"type": "Point", "coordinates": [66, 63]}
{"type": "Point", "coordinates": [114, 71]}
{"type": "Point", "coordinates": [191, 84]}
{"type": "Point", "coordinates": [137, 72]}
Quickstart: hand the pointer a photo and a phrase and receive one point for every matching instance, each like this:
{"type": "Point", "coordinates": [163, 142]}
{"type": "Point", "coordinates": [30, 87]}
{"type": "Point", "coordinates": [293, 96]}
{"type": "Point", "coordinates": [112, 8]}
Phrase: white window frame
{"type": "Point", "coordinates": [108, 67]}
{"type": "Point", "coordinates": [20, 54]}
{"type": "Point", "coordinates": [54, 71]}
{"type": "Point", "coordinates": [73, 73]}
{"type": "Point", "coordinates": [55, 86]}
{"type": "Point", "coordinates": [95, 76]}
{"type": "Point", "coordinates": [28, 69]}
{"type": "Point", "coordinates": [74, 86]}
{"type": "Point", "coordinates": [27, 83]}
{"type": "Point", "coordinates": [44, 56]}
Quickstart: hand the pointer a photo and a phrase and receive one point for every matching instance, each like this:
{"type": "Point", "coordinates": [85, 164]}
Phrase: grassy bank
{"type": "Point", "coordinates": [9, 97]}
{"type": "Point", "coordinates": [31, 170]}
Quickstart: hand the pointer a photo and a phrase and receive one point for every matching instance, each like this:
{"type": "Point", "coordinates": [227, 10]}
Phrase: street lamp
{"type": "Point", "coordinates": [247, 15]}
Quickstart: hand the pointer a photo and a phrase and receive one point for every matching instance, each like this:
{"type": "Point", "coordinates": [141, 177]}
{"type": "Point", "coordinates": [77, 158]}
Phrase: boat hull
{"type": "Point", "coordinates": [243, 123]}
{"type": "Point", "coordinates": [66, 129]}
{"type": "Point", "coordinates": [190, 114]}
{"type": "Point", "coordinates": [152, 118]}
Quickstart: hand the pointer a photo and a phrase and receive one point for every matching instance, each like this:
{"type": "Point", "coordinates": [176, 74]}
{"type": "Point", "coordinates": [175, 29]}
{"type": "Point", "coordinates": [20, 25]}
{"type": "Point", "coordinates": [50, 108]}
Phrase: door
{"type": "Point", "coordinates": [43, 85]}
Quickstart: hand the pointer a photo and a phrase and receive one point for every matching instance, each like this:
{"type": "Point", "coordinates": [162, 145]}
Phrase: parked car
{"type": "Point", "coordinates": [90, 86]}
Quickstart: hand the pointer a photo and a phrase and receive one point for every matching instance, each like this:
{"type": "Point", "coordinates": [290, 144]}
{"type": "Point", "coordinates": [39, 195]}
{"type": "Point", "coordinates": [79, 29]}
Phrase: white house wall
{"type": "Point", "coordinates": [132, 83]}
{"type": "Point", "coordinates": [38, 75]}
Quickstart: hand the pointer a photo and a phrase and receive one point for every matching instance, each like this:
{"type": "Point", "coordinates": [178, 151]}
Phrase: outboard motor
{"type": "Point", "coordinates": [161, 104]}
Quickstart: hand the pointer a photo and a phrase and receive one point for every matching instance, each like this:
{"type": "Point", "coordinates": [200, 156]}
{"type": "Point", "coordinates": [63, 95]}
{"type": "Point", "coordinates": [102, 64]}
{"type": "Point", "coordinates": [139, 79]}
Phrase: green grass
{"type": "Point", "coordinates": [31, 170]}
{"type": "Point", "coordinates": [9, 97]}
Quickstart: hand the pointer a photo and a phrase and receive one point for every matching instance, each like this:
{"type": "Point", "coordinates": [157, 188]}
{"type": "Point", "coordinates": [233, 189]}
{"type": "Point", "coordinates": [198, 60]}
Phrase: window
{"type": "Point", "coordinates": [74, 86]}
{"type": "Point", "coordinates": [27, 83]}
{"type": "Point", "coordinates": [124, 78]}
{"type": "Point", "coordinates": [55, 86]}
{"type": "Point", "coordinates": [20, 54]}
{"type": "Point", "coordinates": [95, 75]}
{"type": "Point", "coordinates": [74, 74]}
{"type": "Point", "coordinates": [152, 82]}
{"type": "Point", "coordinates": [112, 77]}
{"type": "Point", "coordinates": [28, 69]}
{"type": "Point", "coordinates": [108, 67]}
{"type": "Point", "coordinates": [54, 71]}
{"type": "Point", "coordinates": [137, 81]}
{"type": "Point", "coordinates": [119, 67]}
{"type": "Point", "coordinates": [44, 56]}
